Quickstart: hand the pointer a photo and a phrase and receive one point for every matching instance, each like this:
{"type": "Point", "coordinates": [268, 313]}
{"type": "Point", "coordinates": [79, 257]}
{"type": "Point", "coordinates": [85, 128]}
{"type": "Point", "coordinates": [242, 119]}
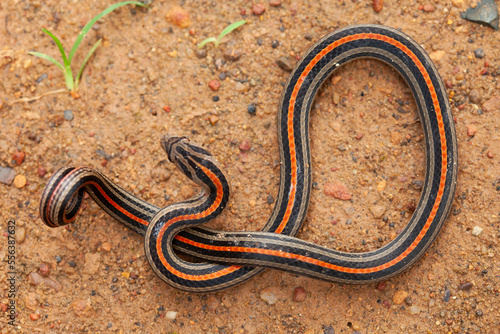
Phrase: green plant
{"type": "Point", "coordinates": [224, 32]}
{"type": "Point", "coordinates": [72, 82]}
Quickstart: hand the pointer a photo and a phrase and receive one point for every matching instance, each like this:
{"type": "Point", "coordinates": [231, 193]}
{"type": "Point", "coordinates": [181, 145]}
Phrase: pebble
{"type": "Point", "coordinates": [476, 230]}
{"type": "Point", "coordinates": [429, 8]}
{"type": "Point", "coordinates": [178, 16]}
{"type": "Point", "coordinates": [68, 115]}
{"type": "Point", "coordinates": [171, 315]}
{"type": "Point", "coordinates": [399, 297]}
{"type": "Point", "coordinates": [251, 109]}
{"type": "Point", "coordinates": [106, 246]}
{"type": "Point", "coordinates": [381, 286]}
{"type": "Point", "coordinates": [489, 154]}
{"type": "Point", "coordinates": [201, 53]}
{"type": "Point", "coordinates": [242, 87]}
{"type": "Point", "coordinates": [214, 85]}
{"type": "Point", "coordinates": [447, 294]}
{"type": "Point", "coordinates": [417, 184]}
{"type": "Point", "coordinates": [187, 192]}
{"type": "Point", "coordinates": [381, 185]}
{"type": "Point", "coordinates": [285, 64]}
{"type": "Point", "coordinates": [328, 330]}
{"type": "Point", "coordinates": [275, 43]}
{"type": "Point", "coordinates": [20, 181]}
{"type": "Point", "coordinates": [7, 175]}
{"type": "Point", "coordinates": [475, 96]}
{"type": "Point", "coordinates": [41, 171]}
{"type": "Point", "coordinates": [269, 295]}
{"type": "Point", "coordinates": [41, 78]}
{"type": "Point", "coordinates": [479, 53]}
{"type": "Point", "coordinates": [232, 54]}
{"type": "Point", "coordinates": [336, 190]}
{"type": "Point", "coordinates": [377, 5]}
{"type": "Point", "coordinates": [396, 137]}
{"type": "Point", "coordinates": [34, 316]}
{"type": "Point", "coordinates": [466, 286]}
{"type": "Point", "coordinates": [258, 8]}
{"type": "Point", "coordinates": [245, 146]}
{"type": "Point", "coordinates": [215, 98]}
{"type": "Point", "coordinates": [18, 157]}
{"type": "Point", "coordinates": [299, 294]}
{"type": "Point", "coordinates": [275, 3]}
{"type": "Point", "coordinates": [92, 263]}
{"type": "Point", "coordinates": [212, 303]}
{"type": "Point", "coordinates": [377, 210]}
{"type": "Point", "coordinates": [213, 119]}
{"type": "Point", "coordinates": [492, 105]}
{"type": "Point", "coordinates": [44, 269]}
{"type": "Point", "coordinates": [471, 130]}
{"type": "Point", "coordinates": [437, 55]}
{"type": "Point", "coordinates": [414, 309]}
{"type": "Point", "coordinates": [219, 62]}
{"type": "Point", "coordinates": [80, 306]}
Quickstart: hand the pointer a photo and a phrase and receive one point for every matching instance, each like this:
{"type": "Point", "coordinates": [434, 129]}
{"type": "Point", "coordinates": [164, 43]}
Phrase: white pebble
{"type": "Point", "coordinates": [171, 315]}
{"type": "Point", "coordinates": [476, 230]}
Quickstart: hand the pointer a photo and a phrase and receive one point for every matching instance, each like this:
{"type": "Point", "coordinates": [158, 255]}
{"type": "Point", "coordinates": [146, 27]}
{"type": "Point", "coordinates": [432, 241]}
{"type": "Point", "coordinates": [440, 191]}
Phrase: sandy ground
{"type": "Point", "coordinates": [146, 79]}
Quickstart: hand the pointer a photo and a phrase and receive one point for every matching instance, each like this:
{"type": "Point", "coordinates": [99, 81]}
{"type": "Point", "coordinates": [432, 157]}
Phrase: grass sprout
{"type": "Point", "coordinates": [71, 81]}
{"type": "Point", "coordinates": [227, 30]}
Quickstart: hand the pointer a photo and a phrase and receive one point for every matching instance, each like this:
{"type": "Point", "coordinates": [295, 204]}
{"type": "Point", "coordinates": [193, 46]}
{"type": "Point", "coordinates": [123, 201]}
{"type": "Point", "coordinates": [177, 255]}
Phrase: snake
{"type": "Point", "coordinates": [226, 259]}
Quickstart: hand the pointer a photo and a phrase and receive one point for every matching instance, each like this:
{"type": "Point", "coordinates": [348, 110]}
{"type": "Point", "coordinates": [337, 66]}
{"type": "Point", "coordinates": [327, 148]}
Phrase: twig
{"type": "Point", "coordinates": [440, 26]}
{"type": "Point", "coordinates": [31, 99]}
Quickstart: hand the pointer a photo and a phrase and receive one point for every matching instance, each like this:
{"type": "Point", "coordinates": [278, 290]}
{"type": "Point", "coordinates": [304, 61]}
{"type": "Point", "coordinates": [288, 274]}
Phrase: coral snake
{"type": "Point", "coordinates": [233, 257]}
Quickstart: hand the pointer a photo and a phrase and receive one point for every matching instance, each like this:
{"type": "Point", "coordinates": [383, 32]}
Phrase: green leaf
{"type": "Point", "coordinates": [77, 79]}
{"type": "Point", "coordinates": [228, 29]}
{"type": "Point", "coordinates": [47, 57]}
{"type": "Point", "coordinates": [59, 45]}
{"type": "Point", "coordinates": [206, 41]}
{"type": "Point", "coordinates": [89, 25]}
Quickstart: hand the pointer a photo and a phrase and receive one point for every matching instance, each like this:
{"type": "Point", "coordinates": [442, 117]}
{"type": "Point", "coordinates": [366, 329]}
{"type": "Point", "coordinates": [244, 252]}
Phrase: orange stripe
{"type": "Point", "coordinates": [205, 213]}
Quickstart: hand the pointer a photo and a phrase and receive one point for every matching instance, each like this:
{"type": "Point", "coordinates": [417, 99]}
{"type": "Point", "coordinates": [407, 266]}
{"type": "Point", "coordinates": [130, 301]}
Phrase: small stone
{"type": "Point", "coordinates": [245, 146]}
{"type": "Point", "coordinates": [44, 269]}
{"type": "Point", "coordinates": [232, 54]}
{"type": "Point", "coordinates": [92, 263]}
{"type": "Point", "coordinates": [429, 8]}
{"type": "Point", "coordinates": [201, 53]}
{"type": "Point", "coordinates": [213, 119]}
{"type": "Point", "coordinates": [471, 130]}
{"type": "Point", "coordinates": [476, 231]}
{"type": "Point", "coordinates": [212, 303]}
{"type": "Point", "coordinates": [396, 137]}
{"type": "Point", "coordinates": [68, 115]}
{"type": "Point", "coordinates": [7, 175]}
{"type": "Point", "coordinates": [35, 278]}
{"type": "Point", "coordinates": [489, 154]}
{"type": "Point", "coordinates": [466, 286]}
{"type": "Point", "coordinates": [171, 315]}
{"type": "Point", "coordinates": [285, 64]}
{"type": "Point", "coordinates": [336, 190]}
{"type": "Point", "coordinates": [414, 309]}
{"type": "Point", "coordinates": [275, 3]}
{"type": "Point", "coordinates": [20, 181]}
{"type": "Point", "coordinates": [479, 313]}
{"type": "Point", "coordinates": [3, 307]}
{"type": "Point", "coordinates": [106, 246]}
{"type": "Point", "coordinates": [258, 8]}
{"type": "Point", "coordinates": [41, 171]}
{"type": "Point", "coordinates": [299, 294]}
{"type": "Point", "coordinates": [447, 294]}
{"type": "Point", "coordinates": [34, 316]}
{"type": "Point", "coordinates": [377, 210]}
{"type": "Point", "coordinates": [18, 157]}
{"type": "Point", "coordinates": [437, 55]}
{"type": "Point", "coordinates": [399, 297]}
{"type": "Point", "coordinates": [381, 185]}
{"type": "Point", "coordinates": [492, 105]}
{"type": "Point", "coordinates": [242, 87]}
{"type": "Point", "coordinates": [81, 306]}
{"type": "Point", "coordinates": [178, 16]}
{"type": "Point", "coordinates": [187, 192]}
{"type": "Point", "coordinates": [377, 5]}
{"type": "Point", "coordinates": [214, 85]}
{"type": "Point", "coordinates": [219, 62]}
{"type": "Point", "coordinates": [328, 330]}
{"type": "Point", "coordinates": [408, 301]}
{"type": "Point", "coordinates": [381, 286]}
{"type": "Point", "coordinates": [269, 295]}
{"type": "Point", "coordinates": [275, 43]}
{"type": "Point", "coordinates": [336, 98]}
{"type": "Point", "coordinates": [475, 96]}
{"type": "Point", "coordinates": [251, 109]}
{"type": "Point", "coordinates": [479, 53]}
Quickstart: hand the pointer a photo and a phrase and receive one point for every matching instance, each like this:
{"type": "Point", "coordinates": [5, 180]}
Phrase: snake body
{"type": "Point", "coordinates": [233, 257]}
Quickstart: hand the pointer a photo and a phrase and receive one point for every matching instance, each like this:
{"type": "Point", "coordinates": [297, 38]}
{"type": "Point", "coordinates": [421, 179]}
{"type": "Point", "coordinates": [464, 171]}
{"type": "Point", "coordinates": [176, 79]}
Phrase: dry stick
{"type": "Point", "coordinates": [31, 99]}
{"type": "Point", "coordinates": [440, 26]}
